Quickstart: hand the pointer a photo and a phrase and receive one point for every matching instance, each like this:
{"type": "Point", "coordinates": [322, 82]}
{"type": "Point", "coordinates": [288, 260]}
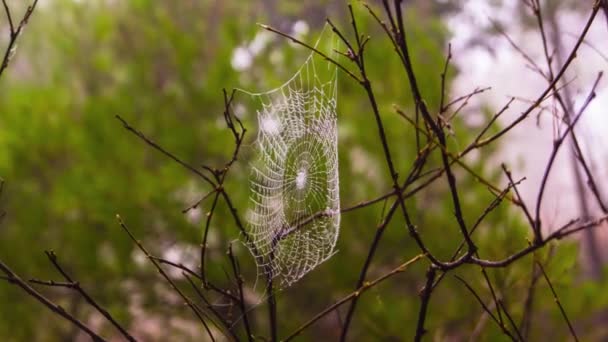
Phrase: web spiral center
{"type": "Point", "coordinates": [294, 219]}
{"type": "Point", "coordinates": [301, 179]}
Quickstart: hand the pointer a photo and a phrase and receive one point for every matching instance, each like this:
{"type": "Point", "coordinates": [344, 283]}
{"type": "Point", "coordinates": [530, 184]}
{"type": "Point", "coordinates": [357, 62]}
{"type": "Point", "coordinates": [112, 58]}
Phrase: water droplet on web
{"type": "Point", "coordinates": [301, 179]}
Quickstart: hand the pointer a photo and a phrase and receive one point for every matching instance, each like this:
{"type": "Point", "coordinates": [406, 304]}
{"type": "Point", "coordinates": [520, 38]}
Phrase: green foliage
{"type": "Point", "coordinates": [70, 167]}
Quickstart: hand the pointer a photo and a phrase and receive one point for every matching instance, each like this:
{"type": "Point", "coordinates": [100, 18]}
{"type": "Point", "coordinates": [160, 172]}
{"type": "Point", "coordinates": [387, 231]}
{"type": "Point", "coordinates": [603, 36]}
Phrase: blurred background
{"type": "Point", "coordinates": [70, 167]}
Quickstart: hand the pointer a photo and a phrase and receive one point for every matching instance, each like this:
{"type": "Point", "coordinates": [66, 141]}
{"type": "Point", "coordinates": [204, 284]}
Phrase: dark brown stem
{"type": "Point", "coordinates": [425, 297]}
{"type": "Point", "coordinates": [437, 130]}
{"type": "Point", "coordinates": [272, 307]}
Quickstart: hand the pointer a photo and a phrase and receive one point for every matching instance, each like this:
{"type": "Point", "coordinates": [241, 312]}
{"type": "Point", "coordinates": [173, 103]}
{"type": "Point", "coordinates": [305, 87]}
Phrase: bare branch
{"type": "Point", "coordinates": [556, 298]}
{"type": "Point", "coordinates": [157, 147]}
{"type": "Point", "coordinates": [197, 312]}
{"type": "Point", "coordinates": [53, 258]}
{"type": "Point", "coordinates": [357, 293]}
{"type": "Point", "coordinates": [14, 279]}
{"type": "Point", "coordinates": [14, 32]}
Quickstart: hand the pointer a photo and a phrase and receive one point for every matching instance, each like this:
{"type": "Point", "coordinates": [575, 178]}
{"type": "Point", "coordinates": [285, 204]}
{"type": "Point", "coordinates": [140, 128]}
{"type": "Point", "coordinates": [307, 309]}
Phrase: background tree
{"type": "Point", "coordinates": [70, 167]}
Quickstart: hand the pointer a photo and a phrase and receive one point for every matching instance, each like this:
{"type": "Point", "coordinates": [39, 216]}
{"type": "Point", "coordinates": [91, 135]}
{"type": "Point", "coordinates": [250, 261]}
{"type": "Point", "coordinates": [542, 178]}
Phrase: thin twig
{"type": "Point", "coordinates": [511, 321]}
{"type": "Point", "coordinates": [437, 130]}
{"type": "Point", "coordinates": [208, 305]}
{"type": "Point", "coordinates": [53, 258]}
{"type": "Point", "coordinates": [520, 200]}
{"type": "Point", "coordinates": [556, 146]}
{"type": "Point", "coordinates": [239, 281]}
{"type": "Point", "coordinates": [209, 216]}
{"type": "Point", "coordinates": [157, 147]}
{"type": "Point", "coordinates": [14, 33]}
{"type": "Point", "coordinates": [525, 323]}
{"type": "Point", "coordinates": [13, 278]}
{"type": "Point", "coordinates": [311, 48]}
{"type": "Point", "coordinates": [443, 79]}
{"type": "Point", "coordinates": [500, 324]}
{"type": "Point", "coordinates": [52, 283]}
{"type": "Point", "coordinates": [357, 293]}
{"type": "Point", "coordinates": [197, 203]}
{"type": "Point", "coordinates": [550, 87]}
{"type": "Point", "coordinates": [177, 290]}
{"type": "Point", "coordinates": [557, 301]}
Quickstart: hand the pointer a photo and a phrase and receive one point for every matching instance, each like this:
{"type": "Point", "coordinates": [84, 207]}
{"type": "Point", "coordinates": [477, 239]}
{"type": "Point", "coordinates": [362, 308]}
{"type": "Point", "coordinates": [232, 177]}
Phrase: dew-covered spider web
{"type": "Point", "coordinates": [294, 215]}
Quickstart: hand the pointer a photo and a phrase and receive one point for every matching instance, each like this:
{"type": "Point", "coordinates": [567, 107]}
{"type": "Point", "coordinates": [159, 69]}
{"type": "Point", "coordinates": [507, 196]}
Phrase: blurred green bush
{"type": "Point", "coordinates": [70, 167]}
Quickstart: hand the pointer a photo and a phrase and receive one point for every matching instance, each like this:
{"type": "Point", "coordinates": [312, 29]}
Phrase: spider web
{"type": "Point", "coordinates": [294, 215]}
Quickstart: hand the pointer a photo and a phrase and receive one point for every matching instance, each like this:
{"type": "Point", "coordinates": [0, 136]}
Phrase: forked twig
{"type": "Point", "coordinates": [76, 286]}
{"type": "Point", "coordinates": [195, 309]}
{"type": "Point", "coordinates": [14, 279]}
